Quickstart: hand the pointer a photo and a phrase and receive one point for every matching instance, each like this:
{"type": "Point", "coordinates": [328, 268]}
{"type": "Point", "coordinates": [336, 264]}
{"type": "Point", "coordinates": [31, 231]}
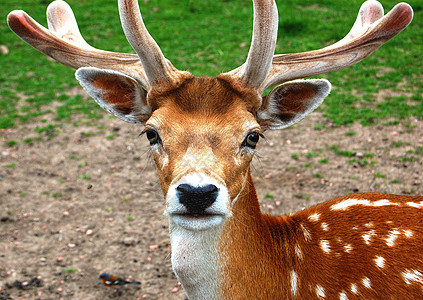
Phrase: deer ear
{"type": "Point", "coordinates": [290, 102]}
{"type": "Point", "coordinates": [116, 93]}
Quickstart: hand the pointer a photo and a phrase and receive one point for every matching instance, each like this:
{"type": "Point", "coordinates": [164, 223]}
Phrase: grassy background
{"type": "Point", "coordinates": [208, 37]}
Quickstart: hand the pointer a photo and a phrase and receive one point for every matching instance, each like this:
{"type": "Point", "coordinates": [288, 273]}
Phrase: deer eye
{"type": "Point", "coordinates": [251, 140]}
{"type": "Point", "coordinates": [152, 136]}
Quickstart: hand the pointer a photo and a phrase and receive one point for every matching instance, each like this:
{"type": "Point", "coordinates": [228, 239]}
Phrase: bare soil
{"type": "Point", "coordinates": [86, 200]}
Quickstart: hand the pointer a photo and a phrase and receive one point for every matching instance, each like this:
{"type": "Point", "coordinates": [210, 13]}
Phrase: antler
{"type": "Point", "coordinates": [158, 69]}
{"type": "Point", "coordinates": [64, 43]}
{"type": "Point", "coordinates": [259, 61]}
{"type": "Point", "coordinates": [370, 31]}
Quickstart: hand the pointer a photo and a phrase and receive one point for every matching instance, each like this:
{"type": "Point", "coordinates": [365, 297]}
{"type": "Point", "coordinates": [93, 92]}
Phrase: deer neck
{"type": "Point", "coordinates": [261, 241]}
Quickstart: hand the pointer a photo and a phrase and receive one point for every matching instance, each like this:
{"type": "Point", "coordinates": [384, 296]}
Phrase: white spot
{"type": "Point", "coordinates": [412, 275]}
{"type": "Point", "coordinates": [390, 240]}
{"type": "Point", "coordinates": [343, 205]}
{"type": "Point", "coordinates": [354, 289]}
{"type": "Point", "coordinates": [369, 225]}
{"type": "Point", "coordinates": [320, 291]}
{"type": "Point", "coordinates": [380, 261]}
{"type": "Point", "coordinates": [293, 283]}
{"type": "Point", "coordinates": [314, 217]}
{"type": "Point", "coordinates": [324, 244]}
{"type": "Point", "coordinates": [368, 236]}
{"type": "Point", "coordinates": [307, 235]}
{"type": "Point", "coordinates": [343, 296]}
{"type": "Point", "coordinates": [408, 233]}
{"type": "Point", "coordinates": [348, 248]}
{"type": "Point", "coordinates": [366, 282]}
{"type": "Point", "coordinates": [325, 227]}
{"type": "Point", "coordinates": [415, 205]}
{"type": "Point", "coordinates": [298, 251]}
{"type": "Point", "coordinates": [383, 202]}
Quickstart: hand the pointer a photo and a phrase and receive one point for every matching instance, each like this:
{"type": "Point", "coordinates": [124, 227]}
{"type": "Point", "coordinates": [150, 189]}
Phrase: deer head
{"type": "Point", "coordinates": [203, 131]}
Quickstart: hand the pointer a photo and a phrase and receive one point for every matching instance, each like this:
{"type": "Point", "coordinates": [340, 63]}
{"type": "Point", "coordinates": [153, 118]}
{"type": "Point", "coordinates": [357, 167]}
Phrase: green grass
{"type": "Point", "coordinates": [208, 37]}
{"type": "Point", "coordinates": [379, 175]}
{"type": "Point", "coordinates": [11, 143]}
{"type": "Point", "coordinates": [269, 196]}
{"type": "Point", "coordinates": [345, 153]}
{"type": "Point", "coordinates": [70, 270]}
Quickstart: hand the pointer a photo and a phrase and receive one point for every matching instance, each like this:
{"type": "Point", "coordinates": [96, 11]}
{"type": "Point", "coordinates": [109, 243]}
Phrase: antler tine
{"type": "Point", "coordinates": [259, 61]}
{"type": "Point", "coordinates": [370, 31]}
{"type": "Point", "coordinates": [62, 22]}
{"type": "Point", "coordinates": [64, 43]}
{"type": "Point", "coordinates": [160, 72]}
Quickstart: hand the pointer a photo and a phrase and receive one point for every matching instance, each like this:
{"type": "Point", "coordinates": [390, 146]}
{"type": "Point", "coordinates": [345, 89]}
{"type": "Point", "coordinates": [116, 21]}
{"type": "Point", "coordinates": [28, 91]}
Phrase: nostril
{"type": "Point", "coordinates": [197, 198]}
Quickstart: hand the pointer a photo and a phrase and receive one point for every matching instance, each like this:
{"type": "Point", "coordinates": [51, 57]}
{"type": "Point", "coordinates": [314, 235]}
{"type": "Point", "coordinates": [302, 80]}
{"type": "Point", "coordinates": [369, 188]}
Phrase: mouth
{"type": "Point", "coordinates": [197, 222]}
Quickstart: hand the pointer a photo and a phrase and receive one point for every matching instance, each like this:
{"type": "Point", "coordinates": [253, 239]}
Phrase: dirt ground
{"type": "Point", "coordinates": [86, 200]}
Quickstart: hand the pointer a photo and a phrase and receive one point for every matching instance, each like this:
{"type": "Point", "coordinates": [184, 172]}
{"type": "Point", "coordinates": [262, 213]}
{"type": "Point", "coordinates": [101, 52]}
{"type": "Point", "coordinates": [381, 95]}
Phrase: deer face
{"type": "Point", "coordinates": [202, 137]}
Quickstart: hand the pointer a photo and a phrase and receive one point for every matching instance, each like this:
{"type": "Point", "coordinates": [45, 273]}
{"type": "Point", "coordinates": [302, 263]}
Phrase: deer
{"type": "Point", "coordinates": [203, 133]}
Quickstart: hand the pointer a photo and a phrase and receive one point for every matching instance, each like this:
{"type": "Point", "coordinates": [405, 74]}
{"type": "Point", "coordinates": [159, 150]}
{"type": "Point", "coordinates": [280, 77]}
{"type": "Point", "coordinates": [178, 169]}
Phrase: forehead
{"type": "Point", "coordinates": [203, 103]}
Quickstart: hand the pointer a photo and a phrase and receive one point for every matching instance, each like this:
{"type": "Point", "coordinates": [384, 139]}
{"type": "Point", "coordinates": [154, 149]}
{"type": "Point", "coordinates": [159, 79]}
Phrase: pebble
{"type": "Point", "coordinates": [175, 290]}
{"type": "Point", "coordinates": [4, 49]}
{"type": "Point", "coordinates": [128, 241]}
{"type": "Point", "coordinates": [89, 232]}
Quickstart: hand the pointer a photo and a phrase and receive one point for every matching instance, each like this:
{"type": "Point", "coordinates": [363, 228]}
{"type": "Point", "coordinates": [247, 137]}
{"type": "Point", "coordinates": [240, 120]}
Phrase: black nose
{"type": "Point", "coordinates": [197, 199]}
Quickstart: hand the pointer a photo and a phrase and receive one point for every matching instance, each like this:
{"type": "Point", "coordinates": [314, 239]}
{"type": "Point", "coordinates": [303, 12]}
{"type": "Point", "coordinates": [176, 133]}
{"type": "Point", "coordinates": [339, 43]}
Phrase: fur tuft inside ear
{"type": "Point", "coordinates": [289, 103]}
{"type": "Point", "coordinates": [117, 93]}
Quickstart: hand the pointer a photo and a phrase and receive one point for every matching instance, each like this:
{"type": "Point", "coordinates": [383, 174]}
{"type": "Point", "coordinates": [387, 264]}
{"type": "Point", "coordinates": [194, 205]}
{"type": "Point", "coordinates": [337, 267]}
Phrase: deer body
{"type": "Point", "coordinates": [345, 248]}
{"type": "Point", "coordinates": [203, 133]}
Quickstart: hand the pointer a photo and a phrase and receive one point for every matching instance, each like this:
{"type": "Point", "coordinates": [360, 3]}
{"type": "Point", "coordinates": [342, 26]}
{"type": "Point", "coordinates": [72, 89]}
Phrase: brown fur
{"type": "Point", "coordinates": [259, 251]}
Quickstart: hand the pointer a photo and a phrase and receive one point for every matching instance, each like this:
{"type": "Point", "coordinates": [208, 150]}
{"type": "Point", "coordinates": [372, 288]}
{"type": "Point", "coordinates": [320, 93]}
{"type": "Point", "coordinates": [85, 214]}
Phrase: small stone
{"type": "Point", "coordinates": [129, 241]}
{"type": "Point", "coordinates": [89, 232]}
{"type": "Point", "coordinates": [154, 247]}
{"type": "Point", "coordinates": [59, 259]}
{"type": "Point", "coordinates": [175, 290]}
{"type": "Point", "coordinates": [4, 49]}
